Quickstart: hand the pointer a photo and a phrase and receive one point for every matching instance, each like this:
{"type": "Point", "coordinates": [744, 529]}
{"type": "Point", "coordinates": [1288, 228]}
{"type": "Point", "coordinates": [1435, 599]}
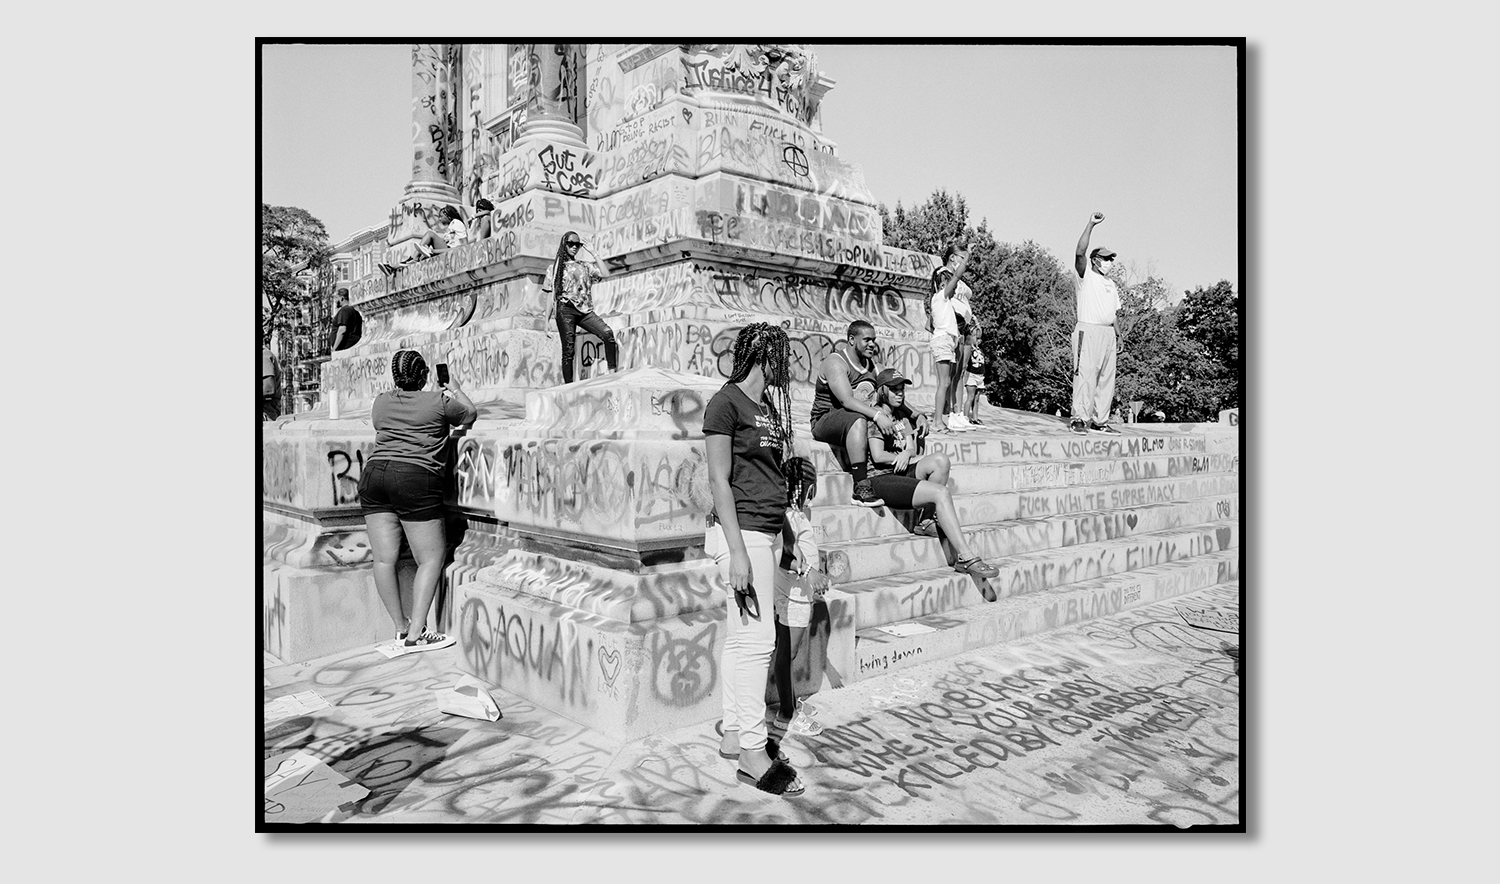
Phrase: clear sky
{"type": "Point", "coordinates": [1035, 138]}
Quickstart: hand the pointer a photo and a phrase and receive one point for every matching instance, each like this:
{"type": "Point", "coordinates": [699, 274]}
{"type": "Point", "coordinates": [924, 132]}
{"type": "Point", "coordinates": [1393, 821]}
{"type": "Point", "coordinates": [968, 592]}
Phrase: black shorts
{"type": "Point", "coordinates": [413, 493]}
{"type": "Point", "coordinates": [832, 427]}
{"type": "Point", "coordinates": [896, 489]}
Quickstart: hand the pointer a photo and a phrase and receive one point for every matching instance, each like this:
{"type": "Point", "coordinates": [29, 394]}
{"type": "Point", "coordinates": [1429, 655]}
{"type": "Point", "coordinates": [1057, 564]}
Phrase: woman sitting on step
{"type": "Point", "coordinates": [901, 476]}
{"type": "Point", "coordinates": [401, 490]}
{"type": "Point", "coordinates": [747, 430]}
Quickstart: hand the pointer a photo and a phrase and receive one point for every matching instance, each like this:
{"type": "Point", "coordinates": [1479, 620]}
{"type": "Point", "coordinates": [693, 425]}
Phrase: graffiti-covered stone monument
{"type": "Point", "coordinates": [701, 175]}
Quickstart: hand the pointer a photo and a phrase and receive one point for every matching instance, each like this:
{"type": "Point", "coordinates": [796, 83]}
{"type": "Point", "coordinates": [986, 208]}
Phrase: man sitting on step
{"type": "Point", "coordinates": [844, 404]}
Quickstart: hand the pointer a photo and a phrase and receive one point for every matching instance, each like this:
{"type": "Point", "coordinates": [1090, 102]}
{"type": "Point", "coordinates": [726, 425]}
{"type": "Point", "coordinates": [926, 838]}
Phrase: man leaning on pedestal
{"type": "Point", "coordinates": [347, 324]}
{"type": "Point", "coordinates": [1094, 336]}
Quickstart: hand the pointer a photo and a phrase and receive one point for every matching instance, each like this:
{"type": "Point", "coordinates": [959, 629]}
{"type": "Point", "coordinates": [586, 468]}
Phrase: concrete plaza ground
{"type": "Point", "coordinates": [1132, 719]}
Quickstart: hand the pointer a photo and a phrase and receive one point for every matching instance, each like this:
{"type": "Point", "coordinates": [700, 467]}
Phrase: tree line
{"type": "Point", "coordinates": [1180, 359]}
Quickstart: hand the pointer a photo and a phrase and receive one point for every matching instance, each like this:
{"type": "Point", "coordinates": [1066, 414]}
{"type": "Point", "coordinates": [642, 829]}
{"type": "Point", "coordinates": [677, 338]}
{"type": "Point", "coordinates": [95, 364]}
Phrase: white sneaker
{"type": "Point", "coordinates": [959, 422]}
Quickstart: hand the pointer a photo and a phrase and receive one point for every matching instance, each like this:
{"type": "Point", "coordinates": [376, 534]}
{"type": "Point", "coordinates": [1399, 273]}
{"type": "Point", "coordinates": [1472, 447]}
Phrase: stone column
{"type": "Point", "coordinates": [429, 164]}
{"type": "Point", "coordinates": [545, 117]}
{"type": "Point", "coordinates": [427, 189]}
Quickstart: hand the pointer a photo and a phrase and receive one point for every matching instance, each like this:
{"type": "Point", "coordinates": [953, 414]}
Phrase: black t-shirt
{"type": "Point", "coordinates": [755, 475]}
{"type": "Point", "coordinates": [350, 317]}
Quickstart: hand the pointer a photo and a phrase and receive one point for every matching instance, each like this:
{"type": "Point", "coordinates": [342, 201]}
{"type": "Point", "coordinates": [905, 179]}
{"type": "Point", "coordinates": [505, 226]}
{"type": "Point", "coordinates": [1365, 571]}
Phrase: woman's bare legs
{"type": "Point", "coordinates": [429, 546]}
{"type": "Point", "coordinates": [384, 530]}
{"type": "Point", "coordinates": [941, 500]}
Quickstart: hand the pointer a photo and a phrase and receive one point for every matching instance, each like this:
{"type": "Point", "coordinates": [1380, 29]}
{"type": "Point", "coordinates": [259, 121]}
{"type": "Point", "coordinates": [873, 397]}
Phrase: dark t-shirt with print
{"type": "Point", "coordinates": [350, 317]}
{"type": "Point", "coordinates": [755, 475]}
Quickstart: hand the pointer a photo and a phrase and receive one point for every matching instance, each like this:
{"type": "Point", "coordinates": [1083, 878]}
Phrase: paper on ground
{"type": "Point", "coordinates": [1208, 618]}
{"type": "Point", "coordinates": [393, 648]}
{"type": "Point", "coordinates": [905, 629]}
{"type": "Point", "coordinates": [470, 699]}
{"type": "Point", "coordinates": [299, 788]}
{"type": "Point", "coordinates": [294, 704]}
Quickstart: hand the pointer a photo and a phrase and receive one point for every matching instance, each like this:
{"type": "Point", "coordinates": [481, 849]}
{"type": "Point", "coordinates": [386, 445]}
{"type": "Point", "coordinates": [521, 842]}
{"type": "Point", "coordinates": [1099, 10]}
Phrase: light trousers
{"type": "Point", "coordinates": [1093, 371]}
{"type": "Point", "coordinates": [749, 642]}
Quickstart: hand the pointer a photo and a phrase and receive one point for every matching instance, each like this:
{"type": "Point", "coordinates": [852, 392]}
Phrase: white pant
{"type": "Point", "coordinates": [1093, 371]}
{"type": "Point", "coordinates": [750, 642]}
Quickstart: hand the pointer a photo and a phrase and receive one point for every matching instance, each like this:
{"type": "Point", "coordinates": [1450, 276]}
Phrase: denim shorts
{"type": "Point", "coordinates": [944, 347]}
{"type": "Point", "coordinates": [413, 493]}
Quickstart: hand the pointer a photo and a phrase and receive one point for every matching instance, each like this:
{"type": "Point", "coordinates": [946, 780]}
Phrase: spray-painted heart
{"type": "Point", "coordinates": [609, 664]}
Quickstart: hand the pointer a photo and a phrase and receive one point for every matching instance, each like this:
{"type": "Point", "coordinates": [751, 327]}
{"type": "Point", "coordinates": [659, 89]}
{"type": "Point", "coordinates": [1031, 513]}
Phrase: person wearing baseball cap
{"type": "Point", "coordinates": [902, 477]}
{"type": "Point", "coordinates": [1094, 342]}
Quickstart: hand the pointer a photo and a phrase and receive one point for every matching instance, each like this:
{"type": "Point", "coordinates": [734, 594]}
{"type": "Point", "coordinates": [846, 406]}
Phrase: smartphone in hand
{"type": "Point", "coordinates": [442, 374]}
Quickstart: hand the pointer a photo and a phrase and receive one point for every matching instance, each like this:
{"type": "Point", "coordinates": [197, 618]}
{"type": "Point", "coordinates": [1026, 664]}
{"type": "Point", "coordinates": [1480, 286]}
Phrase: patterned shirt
{"type": "Point", "coordinates": [578, 284]}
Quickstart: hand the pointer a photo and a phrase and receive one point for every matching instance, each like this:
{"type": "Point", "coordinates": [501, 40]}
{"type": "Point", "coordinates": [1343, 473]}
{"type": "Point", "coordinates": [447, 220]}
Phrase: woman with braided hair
{"type": "Point", "coordinates": [401, 489]}
{"type": "Point", "coordinates": [571, 282]}
{"type": "Point", "coordinates": [747, 429]}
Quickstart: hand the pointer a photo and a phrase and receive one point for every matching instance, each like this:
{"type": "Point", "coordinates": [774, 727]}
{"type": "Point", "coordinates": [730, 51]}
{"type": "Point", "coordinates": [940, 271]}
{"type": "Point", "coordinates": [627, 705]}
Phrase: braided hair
{"type": "Point", "coordinates": [560, 262]}
{"type": "Point", "coordinates": [766, 345]}
{"type": "Point", "coordinates": [409, 370]}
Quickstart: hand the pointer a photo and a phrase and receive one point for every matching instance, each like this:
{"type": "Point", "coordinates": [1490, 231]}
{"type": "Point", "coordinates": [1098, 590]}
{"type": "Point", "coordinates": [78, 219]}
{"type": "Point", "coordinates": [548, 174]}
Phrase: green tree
{"type": "Point", "coordinates": [1209, 318]}
{"type": "Point", "coordinates": [292, 242]}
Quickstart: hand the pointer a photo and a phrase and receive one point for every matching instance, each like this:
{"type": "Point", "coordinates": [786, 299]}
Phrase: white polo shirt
{"type": "Point", "coordinates": [1098, 297]}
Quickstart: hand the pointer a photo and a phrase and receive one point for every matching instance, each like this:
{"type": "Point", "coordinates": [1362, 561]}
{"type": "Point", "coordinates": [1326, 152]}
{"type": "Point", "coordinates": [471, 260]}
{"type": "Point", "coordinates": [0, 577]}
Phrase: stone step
{"type": "Point", "coordinates": [890, 598]}
{"type": "Point", "coordinates": [844, 522]}
{"type": "Point", "coordinates": [835, 485]}
{"type": "Point", "coordinates": [995, 446]}
{"type": "Point", "coordinates": [876, 652]}
{"type": "Point", "coordinates": [1014, 541]}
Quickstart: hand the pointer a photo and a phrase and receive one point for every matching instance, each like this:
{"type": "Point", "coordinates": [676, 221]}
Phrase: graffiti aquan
{"type": "Point", "coordinates": [504, 646]}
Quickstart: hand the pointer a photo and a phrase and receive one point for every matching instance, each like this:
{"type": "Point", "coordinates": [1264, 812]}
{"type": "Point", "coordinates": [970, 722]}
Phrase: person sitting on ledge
{"type": "Point", "coordinates": [906, 480]}
{"type": "Point", "coordinates": [419, 248]}
{"type": "Point", "coordinates": [481, 226]}
{"type": "Point", "coordinates": [455, 232]}
{"type": "Point", "coordinates": [843, 405]}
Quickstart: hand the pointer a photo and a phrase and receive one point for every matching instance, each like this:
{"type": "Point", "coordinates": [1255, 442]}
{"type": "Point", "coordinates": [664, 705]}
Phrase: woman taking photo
{"type": "Point", "coordinates": [747, 428]}
{"type": "Point", "coordinates": [571, 282]}
{"type": "Point", "coordinates": [401, 490]}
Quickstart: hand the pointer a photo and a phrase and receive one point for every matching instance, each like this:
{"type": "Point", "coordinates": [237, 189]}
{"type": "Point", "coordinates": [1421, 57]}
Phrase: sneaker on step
{"type": "Point", "coordinates": [863, 496]}
{"type": "Point", "coordinates": [1076, 425]}
{"type": "Point", "coordinates": [1106, 429]}
{"type": "Point", "coordinates": [959, 422]}
{"type": "Point", "coordinates": [427, 641]}
{"type": "Point", "coordinates": [976, 567]}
